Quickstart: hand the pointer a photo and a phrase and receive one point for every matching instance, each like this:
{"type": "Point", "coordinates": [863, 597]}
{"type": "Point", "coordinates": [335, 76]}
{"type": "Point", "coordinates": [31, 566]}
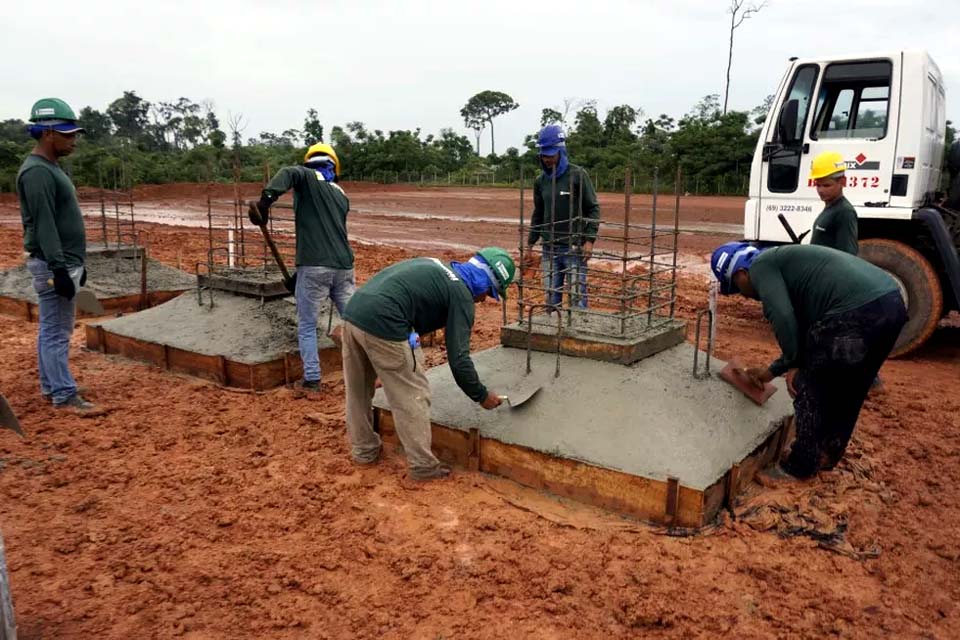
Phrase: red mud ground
{"type": "Point", "coordinates": [189, 510]}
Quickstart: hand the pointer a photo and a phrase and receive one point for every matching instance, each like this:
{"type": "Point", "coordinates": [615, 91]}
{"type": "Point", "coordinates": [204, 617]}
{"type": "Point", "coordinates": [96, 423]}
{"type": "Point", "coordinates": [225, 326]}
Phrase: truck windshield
{"type": "Point", "coordinates": [854, 101]}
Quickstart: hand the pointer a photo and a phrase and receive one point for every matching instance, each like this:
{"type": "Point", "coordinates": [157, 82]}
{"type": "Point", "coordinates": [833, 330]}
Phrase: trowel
{"type": "Point", "coordinates": [8, 420]}
{"type": "Point", "coordinates": [86, 301]}
{"type": "Point", "coordinates": [521, 392]}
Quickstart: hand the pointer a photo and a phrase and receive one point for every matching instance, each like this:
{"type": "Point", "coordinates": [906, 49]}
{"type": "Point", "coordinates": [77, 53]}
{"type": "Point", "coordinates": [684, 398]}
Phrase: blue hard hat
{"type": "Point", "coordinates": [550, 140]}
{"type": "Point", "coordinates": [729, 258]}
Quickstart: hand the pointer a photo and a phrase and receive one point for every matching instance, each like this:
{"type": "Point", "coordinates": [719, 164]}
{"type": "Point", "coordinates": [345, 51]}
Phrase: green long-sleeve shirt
{"type": "Point", "coordinates": [800, 285]}
{"type": "Point", "coordinates": [421, 295]}
{"type": "Point", "coordinates": [836, 227]}
{"type": "Point", "coordinates": [320, 217]}
{"type": "Point", "coordinates": [52, 223]}
{"type": "Point", "coordinates": [553, 209]}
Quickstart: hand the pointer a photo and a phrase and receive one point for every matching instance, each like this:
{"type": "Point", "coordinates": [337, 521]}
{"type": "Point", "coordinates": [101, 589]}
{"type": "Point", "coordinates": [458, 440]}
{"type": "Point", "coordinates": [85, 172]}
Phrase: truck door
{"type": "Point", "coordinates": [854, 115]}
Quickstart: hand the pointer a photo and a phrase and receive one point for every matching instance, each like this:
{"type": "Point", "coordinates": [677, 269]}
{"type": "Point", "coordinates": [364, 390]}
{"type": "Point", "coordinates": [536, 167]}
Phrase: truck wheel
{"type": "Point", "coordinates": [919, 285]}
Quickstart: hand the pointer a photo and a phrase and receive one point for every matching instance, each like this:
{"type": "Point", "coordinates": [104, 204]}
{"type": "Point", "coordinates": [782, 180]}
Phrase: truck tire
{"type": "Point", "coordinates": [918, 281]}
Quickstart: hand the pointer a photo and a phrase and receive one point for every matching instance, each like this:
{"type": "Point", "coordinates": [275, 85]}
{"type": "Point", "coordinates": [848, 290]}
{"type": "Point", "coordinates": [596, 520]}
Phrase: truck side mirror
{"type": "Point", "coordinates": [787, 124]}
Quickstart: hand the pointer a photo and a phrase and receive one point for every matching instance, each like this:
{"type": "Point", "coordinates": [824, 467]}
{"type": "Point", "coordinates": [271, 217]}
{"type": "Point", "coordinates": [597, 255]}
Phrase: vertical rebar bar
{"type": "Point", "coordinates": [572, 253]}
{"type": "Point", "coordinates": [209, 233]}
{"type": "Point", "coordinates": [627, 188]}
{"type": "Point", "coordinates": [653, 244]}
{"type": "Point", "coordinates": [522, 265]}
{"type": "Point", "coordinates": [676, 238]}
{"type": "Point", "coordinates": [103, 217]}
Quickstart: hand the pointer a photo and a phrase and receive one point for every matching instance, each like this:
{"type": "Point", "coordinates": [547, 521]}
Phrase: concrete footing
{"type": "Point", "coordinates": [647, 440]}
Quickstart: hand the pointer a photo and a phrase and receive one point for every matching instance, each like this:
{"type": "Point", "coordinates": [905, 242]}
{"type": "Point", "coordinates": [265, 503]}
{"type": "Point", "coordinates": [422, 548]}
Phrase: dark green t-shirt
{"type": "Point", "coordinates": [800, 285]}
{"type": "Point", "coordinates": [52, 223]}
{"type": "Point", "coordinates": [836, 227]}
{"type": "Point", "coordinates": [320, 216]}
{"type": "Point", "coordinates": [555, 203]}
{"type": "Point", "coordinates": [421, 295]}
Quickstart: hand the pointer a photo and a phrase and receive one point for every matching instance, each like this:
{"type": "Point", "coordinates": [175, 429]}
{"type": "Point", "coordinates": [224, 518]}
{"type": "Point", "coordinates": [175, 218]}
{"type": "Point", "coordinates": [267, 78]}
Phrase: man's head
{"type": "Point", "coordinates": [500, 269]}
{"type": "Point", "coordinates": [551, 144]}
{"type": "Point", "coordinates": [827, 172]}
{"type": "Point", "coordinates": [322, 157]}
{"type": "Point", "coordinates": [730, 264]}
{"type": "Point", "coordinates": [54, 126]}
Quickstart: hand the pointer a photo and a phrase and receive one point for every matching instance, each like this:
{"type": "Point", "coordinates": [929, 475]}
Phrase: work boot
{"type": "Point", "coordinates": [75, 402]}
{"type": "Point", "coordinates": [434, 473]}
{"type": "Point", "coordinates": [308, 386]}
{"type": "Point", "coordinates": [49, 396]}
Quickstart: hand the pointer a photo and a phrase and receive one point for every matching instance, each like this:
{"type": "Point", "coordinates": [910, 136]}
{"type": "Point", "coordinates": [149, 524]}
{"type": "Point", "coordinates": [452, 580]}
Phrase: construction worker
{"type": "Point", "coordinates": [54, 238]}
{"type": "Point", "coordinates": [566, 217]}
{"type": "Point", "coordinates": [380, 339]}
{"type": "Point", "coordinates": [324, 258]}
{"type": "Point", "coordinates": [836, 318]}
{"type": "Point", "coordinates": [836, 226]}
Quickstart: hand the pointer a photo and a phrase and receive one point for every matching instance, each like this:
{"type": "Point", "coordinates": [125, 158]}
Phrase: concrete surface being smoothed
{"type": "Point", "coordinates": [236, 327]}
{"type": "Point", "coordinates": [107, 277]}
{"type": "Point", "coordinates": [650, 419]}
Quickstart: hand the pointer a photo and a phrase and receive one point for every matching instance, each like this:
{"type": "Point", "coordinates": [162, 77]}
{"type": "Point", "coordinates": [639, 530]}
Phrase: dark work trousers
{"type": "Point", "coordinates": [843, 354]}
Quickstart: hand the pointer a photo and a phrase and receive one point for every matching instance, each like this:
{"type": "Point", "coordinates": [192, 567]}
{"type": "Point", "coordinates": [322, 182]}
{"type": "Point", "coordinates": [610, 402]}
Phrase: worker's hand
{"type": "Point", "coordinates": [83, 277]}
{"type": "Point", "coordinates": [63, 284]}
{"type": "Point", "coordinates": [758, 376]}
{"type": "Point", "coordinates": [789, 377]}
{"type": "Point", "coordinates": [259, 212]}
{"type": "Point", "coordinates": [492, 401]}
{"type": "Point", "coordinates": [586, 251]}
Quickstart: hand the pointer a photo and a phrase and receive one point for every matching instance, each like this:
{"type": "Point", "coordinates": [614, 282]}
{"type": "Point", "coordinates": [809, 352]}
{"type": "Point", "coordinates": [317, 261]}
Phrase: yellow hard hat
{"type": "Point", "coordinates": [324, 149]}
{"type": "Point", "coordinates": [827, 164]}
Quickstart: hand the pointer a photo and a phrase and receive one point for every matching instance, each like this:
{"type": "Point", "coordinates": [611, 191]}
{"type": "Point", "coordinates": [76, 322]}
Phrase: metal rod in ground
{"type": "Point", "coordinates": [116, 210]}
{"type": "Point", "coordinates": [209, 233]}
{"type": "Point", "coordinates": [653, 235]}
{"type": "Point", "coordinates": [676, 237]}
{"type": "Point", "coordinates": [567, 271]}
{"type": "Point", "coordinates": [522, 265]}
{"type": "Point", "coordinates": [103, 218]}
{"type": "Point", "coordinates": [144, 300]}
{"type": "Point", "coordinates": [627, 188]}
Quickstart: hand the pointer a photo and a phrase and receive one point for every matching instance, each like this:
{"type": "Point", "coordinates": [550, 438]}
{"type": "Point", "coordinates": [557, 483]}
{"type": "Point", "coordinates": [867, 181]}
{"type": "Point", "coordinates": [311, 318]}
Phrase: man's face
{"type": "Point", "coordinates": [63, 143]}
{"type": "Point", "coordinates": [830, 188]}
{"type": "Point", "coordinates": [741, 278]}
{"type": "Point", "coordinates": [550, 161]}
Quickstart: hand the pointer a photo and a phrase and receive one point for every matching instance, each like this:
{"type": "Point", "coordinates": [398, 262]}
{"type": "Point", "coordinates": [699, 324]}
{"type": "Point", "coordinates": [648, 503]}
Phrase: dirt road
{"type": "Point", "coordinates": [189, 510]}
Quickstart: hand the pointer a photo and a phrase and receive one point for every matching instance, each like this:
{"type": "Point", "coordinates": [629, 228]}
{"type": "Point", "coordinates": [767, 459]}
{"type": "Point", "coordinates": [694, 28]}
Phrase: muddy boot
{"type": "Point", "coordinates": [49, 397]}
{"type": "Point", "coordinates": [77, 403]}
{"type": "Point", "coordinates": [434, 473]}
{"type": "Point", "coordinates": [308, 386]}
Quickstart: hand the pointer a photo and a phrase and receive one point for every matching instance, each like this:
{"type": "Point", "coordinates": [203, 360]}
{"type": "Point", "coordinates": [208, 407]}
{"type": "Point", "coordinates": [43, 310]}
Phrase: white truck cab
{"type": "Point", "coordinates": [886, 114]}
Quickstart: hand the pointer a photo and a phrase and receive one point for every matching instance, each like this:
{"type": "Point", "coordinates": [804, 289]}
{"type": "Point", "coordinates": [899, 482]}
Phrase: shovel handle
{"type": "Point", "coordinates": [275, 252]}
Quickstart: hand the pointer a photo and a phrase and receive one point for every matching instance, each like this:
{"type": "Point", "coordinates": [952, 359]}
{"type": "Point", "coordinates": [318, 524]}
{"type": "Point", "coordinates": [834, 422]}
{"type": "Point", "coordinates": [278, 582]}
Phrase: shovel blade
{"type": "Point", "coordinates": [8, 419]}
{"type": "Point", "coordinates": [88, 303]}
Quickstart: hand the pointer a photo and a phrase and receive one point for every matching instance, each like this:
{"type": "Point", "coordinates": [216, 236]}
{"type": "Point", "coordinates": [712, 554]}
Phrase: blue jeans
{"type": "Point", "coordinates": [314, 286]}
{"type": "Point", "coordinates": [558, 264]}
{"type": "Point", "coordinates": [53, 338]}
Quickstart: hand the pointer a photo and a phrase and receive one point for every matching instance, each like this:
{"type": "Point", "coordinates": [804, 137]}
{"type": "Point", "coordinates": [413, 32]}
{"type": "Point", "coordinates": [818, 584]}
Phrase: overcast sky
{"type": "Point", "coordinates": [402, 65]}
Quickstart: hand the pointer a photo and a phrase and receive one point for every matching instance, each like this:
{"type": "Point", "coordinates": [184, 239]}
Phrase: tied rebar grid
{"type": "Point", "coordinates": [236, 247]}
{"type": "Point", "coordinates": [630, 277]}
{"type": "Point", "coordinates": [115, 227]}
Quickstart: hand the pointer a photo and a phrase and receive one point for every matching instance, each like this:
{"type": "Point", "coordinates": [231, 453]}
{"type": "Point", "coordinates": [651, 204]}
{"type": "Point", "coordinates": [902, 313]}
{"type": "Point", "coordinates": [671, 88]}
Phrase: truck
{"type": "Point", "coordinates": [886, 114]}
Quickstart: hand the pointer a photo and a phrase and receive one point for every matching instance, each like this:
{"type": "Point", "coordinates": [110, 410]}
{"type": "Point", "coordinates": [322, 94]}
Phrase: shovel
{"type": "Point", "coordinates": [86, 301]}
{"type": "Point", "coordinates": [521, 393]}
{"type": "Point", "coordinates": [7, 418]}
{"type": "Point", "coordinates": [288, 280]}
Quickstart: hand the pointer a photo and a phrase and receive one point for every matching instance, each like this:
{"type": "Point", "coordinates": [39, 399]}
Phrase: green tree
{"type": "Point", "coordinates": [550, 116]}
{"type": "Point", "coordinates": [128, 114]}
{"type": "Point", "coordinates": [484, 107]}
{"type": "Point", "coordinates": [312, 129]}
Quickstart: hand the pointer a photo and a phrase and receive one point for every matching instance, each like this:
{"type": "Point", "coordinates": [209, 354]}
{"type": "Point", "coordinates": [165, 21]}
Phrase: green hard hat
{"type": "Point", "coordinates": [51, 109]}
{"type": "Point", "coordinates": [502, 266]}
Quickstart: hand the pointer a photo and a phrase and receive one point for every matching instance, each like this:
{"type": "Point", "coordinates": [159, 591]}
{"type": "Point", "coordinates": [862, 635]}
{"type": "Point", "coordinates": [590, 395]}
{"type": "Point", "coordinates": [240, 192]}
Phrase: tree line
{"type": "Point", "coordinates": [135, 141]}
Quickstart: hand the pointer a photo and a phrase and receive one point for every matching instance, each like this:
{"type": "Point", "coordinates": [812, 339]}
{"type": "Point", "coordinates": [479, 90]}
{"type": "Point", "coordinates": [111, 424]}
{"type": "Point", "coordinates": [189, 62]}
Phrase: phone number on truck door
{"type": "Point", "coordinates": [796, 208]}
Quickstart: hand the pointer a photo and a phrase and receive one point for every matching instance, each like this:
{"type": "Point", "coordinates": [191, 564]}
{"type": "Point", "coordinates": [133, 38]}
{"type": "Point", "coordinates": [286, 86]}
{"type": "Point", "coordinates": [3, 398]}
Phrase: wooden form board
{"type": "Point", "coordinates": [229, 373]}
{"type": "Point", "coordinates": [662, 502]}
{"type": "Point", "coordinates": [28, 311]}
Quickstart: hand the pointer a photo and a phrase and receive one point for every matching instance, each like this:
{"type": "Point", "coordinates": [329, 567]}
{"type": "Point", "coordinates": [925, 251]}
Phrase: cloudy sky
{"type": "Point", "coordinates": [409, 64]}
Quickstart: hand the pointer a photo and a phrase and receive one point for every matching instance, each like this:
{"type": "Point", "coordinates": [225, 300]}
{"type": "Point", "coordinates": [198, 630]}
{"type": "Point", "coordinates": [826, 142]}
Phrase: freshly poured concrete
{"type": "Point", "coordinates": [107, 277]}
{"type": "Point", "coordinates": [650, 419]}
{"type": "Point", "coordinates": [236, 327]}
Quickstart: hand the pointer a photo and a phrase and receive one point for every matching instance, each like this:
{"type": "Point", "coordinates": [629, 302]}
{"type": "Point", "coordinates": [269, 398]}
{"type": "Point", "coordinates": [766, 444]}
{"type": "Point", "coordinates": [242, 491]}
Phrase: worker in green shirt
{"type": "Point", "coordinates": [836, 226]}
{"type": "Point", "coordinates": [380, 339]}
{"type": "Point", "coordinates": [836, 318]}
{"type": "Point", "coordinates": [54, 238]}
{"type": "Point", "coordinates": [324, 257]}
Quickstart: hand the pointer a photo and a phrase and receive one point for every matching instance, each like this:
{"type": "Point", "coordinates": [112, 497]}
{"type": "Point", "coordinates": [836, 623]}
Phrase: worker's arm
{"type": "Point", "coordinates": [537, 219]}
{"type": "Point", "coordinates": [39, 188]}
{"type": "Point", "coordinates": [847, 231]}
{"type": "Point", "coordinates": [286, 179]}
{"type": "Point", "coordinates": [590, 209]}
{"type": "Point", "coordinates": [778, 309]}
{"type": "Point", "coordinates": [458, 329]}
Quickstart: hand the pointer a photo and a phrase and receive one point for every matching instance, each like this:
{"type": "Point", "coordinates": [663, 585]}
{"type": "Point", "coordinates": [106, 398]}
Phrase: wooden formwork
{"type": "Point", "coordinates": [663, 502]}
{"type": "Point", "coordinates": [20, 308]}
{"type": "Point", "coordinates": [259, 377]}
